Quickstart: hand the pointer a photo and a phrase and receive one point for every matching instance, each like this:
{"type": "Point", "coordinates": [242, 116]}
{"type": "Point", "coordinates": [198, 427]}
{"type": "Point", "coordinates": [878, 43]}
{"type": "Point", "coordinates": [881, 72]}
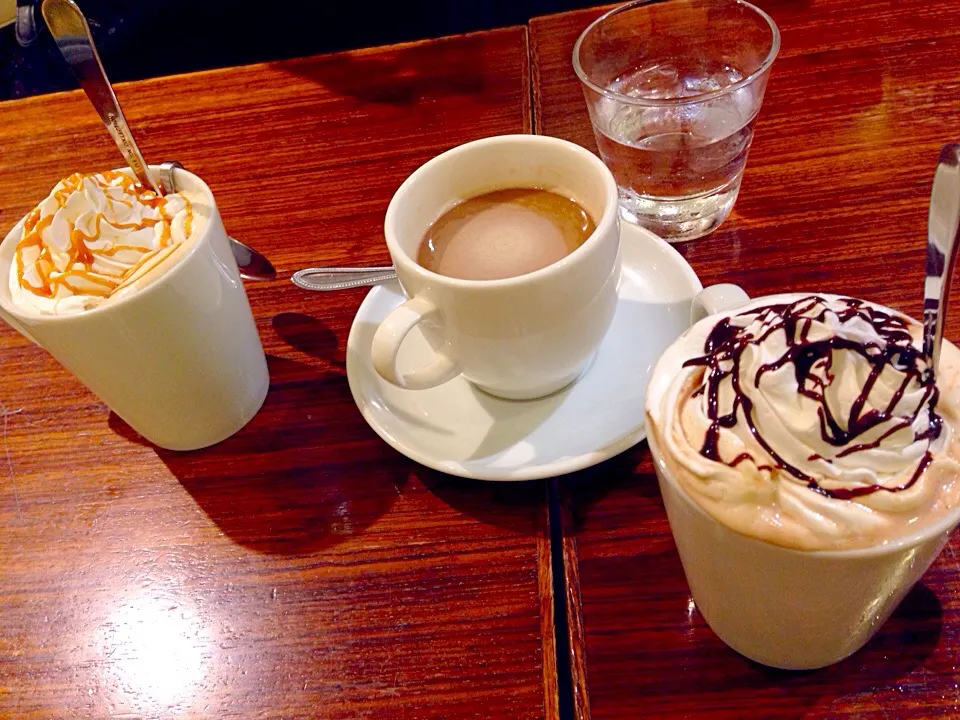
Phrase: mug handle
{"type": "Point", "coordinates": [715, 299]}
{"type": "Point", "coordinates": [390, 336]}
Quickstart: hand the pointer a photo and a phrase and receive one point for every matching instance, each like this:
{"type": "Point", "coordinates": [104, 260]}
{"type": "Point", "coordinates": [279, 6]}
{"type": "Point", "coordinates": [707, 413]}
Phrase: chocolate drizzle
{"type": "Point", "coordinates": [812, 363]}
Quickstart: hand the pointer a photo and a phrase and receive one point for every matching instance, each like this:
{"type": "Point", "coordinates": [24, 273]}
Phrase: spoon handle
{"type": "Point", "coordinates": [342, 278]}
{"type": "Point", "coordinates": [72, 34]}
{"type": "Point", "coordinates": [943, 233]}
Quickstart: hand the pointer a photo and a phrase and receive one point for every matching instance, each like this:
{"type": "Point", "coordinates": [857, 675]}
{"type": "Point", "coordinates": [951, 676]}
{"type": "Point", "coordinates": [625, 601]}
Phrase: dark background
{"type": "Point", "coordinates": [138, 39]}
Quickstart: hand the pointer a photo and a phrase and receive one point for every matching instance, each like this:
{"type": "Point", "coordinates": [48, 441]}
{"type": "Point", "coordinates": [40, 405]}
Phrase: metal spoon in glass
{"type": "Point", "coordinates": [71, 32]}
{"type": "Point", "coordinates": [943, 233]}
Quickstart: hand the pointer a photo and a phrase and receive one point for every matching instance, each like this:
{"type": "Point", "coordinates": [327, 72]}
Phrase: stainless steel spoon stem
{"type": "Point", "coordinates": [943, 233]}
{"type": "Point", "coordinates": [72, 34]}
{"type": "Point", "coordinates": [342, 278]}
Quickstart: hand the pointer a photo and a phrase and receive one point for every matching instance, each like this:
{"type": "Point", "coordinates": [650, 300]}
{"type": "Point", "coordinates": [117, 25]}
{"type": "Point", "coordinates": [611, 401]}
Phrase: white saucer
{"type": "Point", "coordinates": [460, 430]}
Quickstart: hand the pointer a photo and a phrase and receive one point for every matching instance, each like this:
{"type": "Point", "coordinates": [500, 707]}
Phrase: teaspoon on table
{"type": "Point", "coordinates": [71, 32]}
{"type": "Point", "coordinates": [342, 278]}
{"type": "Point", "coordinates": [943, 233]}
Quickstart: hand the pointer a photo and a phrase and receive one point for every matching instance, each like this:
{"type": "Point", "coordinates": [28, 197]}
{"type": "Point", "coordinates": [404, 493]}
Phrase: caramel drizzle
{"type": "Point", "coordinates": [721, 360]}
{"type": "Point", "coordinates": [81, 258]}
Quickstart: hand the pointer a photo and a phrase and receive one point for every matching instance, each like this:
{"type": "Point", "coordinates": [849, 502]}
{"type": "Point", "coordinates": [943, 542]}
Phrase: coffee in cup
{"type": "Point", "coordinates": [809, 463]}
{"type": "Point", "coordinates": [140, 297]}
{"type": "Point", "coordinates": [504, 233]}
{"type": "Point", "coordinates": [95, 238]}
{"type": "Point", "coordinates": [516, 322]}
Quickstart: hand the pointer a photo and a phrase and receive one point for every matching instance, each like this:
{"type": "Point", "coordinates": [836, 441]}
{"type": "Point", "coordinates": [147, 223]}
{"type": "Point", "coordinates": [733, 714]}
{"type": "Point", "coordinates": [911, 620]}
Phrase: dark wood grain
{"type": "Point", "coordinates": [302, 568]}
{"type": "Point", "coordinates": [834, 198]}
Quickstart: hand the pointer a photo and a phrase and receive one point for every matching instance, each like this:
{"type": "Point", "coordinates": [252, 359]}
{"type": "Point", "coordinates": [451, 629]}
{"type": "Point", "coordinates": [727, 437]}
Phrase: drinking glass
{"type": "Point", "coordinates": [673, 88]}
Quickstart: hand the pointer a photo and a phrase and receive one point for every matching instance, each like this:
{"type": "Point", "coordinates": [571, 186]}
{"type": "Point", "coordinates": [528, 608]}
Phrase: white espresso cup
{"type": "Point", "coordinates": [177, 356]}
{"type": "Point", "coordinates": [783, 607]}
{"type": "Point", "coordinates": [521, 337]}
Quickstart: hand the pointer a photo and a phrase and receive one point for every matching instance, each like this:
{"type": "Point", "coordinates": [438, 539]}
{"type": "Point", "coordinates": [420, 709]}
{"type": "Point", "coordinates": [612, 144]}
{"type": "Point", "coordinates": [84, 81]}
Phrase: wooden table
{"type": "Point", "coordinates": [301, 569]}
{"type": "Point", "coordinates": [835, 199]}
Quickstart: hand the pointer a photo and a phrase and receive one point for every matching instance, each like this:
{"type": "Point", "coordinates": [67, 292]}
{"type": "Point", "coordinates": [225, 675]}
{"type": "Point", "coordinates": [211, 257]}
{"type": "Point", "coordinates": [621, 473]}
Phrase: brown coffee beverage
{"type": "Point", "coordinates": [504, 233]}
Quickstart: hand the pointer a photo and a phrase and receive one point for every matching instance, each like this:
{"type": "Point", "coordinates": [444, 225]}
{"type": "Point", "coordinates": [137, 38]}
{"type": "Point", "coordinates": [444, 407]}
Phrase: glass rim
{"type": "Point", "coordinates": [703, 97]}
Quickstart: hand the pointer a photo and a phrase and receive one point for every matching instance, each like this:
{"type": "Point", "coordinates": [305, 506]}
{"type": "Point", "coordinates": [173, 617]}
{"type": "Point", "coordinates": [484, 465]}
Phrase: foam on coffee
{"type": "Point", "coordinates": [504, 233]}
{"type": "Point", "coordinates": [812, 422]}
{"type": "Point", "coordinates": [95, 237]}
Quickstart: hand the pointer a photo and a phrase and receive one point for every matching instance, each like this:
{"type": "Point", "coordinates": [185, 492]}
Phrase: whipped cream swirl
{"type": "Point", "coordinates": [811, 423]}
{"type": "Point", "coordinates": [91, 236]}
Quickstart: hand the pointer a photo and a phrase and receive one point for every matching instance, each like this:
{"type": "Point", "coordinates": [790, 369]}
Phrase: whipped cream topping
{"type": "Point", "coordinates": [91, 236]}
{"type": "Point", "coordinates": [812, 422]}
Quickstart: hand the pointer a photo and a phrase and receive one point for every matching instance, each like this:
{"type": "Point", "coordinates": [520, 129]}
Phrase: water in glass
{"type": "Point", "coordinates": [678, 164]}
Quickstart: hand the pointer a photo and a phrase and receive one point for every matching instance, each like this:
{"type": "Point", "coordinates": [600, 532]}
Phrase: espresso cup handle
{"type": "Point", "coordinates": [715, 299]}
{"type": "Point", "coordinates": [390, 336]}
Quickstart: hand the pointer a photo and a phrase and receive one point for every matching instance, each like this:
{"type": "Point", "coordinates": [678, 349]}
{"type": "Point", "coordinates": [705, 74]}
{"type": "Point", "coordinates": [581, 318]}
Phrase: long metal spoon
{"type": "Point", "coordinates": [342, 278]}
{"type": "Point", "coordinates": [943, 233]}
{"type": "Point", "coordinates": [71, 32]}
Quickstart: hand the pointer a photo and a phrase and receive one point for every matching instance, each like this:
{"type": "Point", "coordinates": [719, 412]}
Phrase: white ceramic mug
{"type": "Point", "coordinates": [179, 357]}
{"type": "Point", "coordinates": [521, 337]}
{"type": "Point", "coordinates": [786, 608]}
